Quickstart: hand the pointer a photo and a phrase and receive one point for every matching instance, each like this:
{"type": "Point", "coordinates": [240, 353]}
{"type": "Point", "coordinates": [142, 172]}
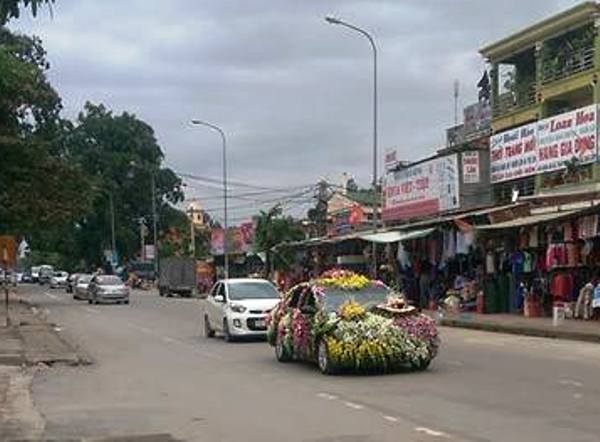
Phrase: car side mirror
{"type": "Point", "coordinates": [219, 298]}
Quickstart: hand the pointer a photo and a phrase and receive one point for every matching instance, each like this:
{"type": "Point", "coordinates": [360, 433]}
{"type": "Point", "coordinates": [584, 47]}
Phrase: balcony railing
{"type": "Point", "coordinates": [511, 101]}
{"type": "Point", "coordinates": [570, 64]}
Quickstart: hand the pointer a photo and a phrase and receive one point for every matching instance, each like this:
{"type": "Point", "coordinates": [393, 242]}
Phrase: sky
{"type": "Point", "coordinates": [292, 92]}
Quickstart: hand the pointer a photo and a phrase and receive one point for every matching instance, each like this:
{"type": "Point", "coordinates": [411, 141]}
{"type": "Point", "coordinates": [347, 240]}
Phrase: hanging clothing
{"type": "Point", "coordinates": [596, 300]}
{"type": "Point", "coordinates": [588, 226]}
{"type": "Point", "coordinates": [568, 229]}
{"type": "Point", "coordinates": [461, 243]}
{"type": "Point", "coordinates": [573, 256]}
{"type": "Point", "coordinates": [528, 260]}
{"type": "Point", "coordinates": [556, 255]}
{"type": "Point", "coordinates": [561, 286]}
{"type": "Point", "coordinates": [533, 237]}
{"type": "Point", "coordinates": [490, 264]}
{"type": "Point", "coordinates": [403, 257]}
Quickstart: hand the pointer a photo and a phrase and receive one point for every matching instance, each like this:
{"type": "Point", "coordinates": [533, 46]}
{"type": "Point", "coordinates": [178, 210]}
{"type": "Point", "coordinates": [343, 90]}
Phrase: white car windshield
{"type": "Point", "coordinates": [84, 279]}
{"type": "Point", "coordinates": [252, 290]}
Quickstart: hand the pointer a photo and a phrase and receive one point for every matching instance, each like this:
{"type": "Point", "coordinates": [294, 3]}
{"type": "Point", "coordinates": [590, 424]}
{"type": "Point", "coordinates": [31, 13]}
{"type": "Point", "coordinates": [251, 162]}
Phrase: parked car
{"type": "Point", "coordinates": [27, 276]}
{"type": "Point", "coordinates": [72, 282]}
{"type": "Point", "coordinates": [345, 322]}
{"type": "Point", "coordinates": [239, 307]}
{"type": "Point", "coordinates": [59, 280]}
{"type": "Point", "coordinates": [177, 275]}
{"type": "Point", "coordinates": [80, 290]}
{"type": "Point", "coordinates": [46, 272]}
{"type": "Point", "coordinates": [107, 288]}
{"type": "Point", "coordinates": [35, 274]}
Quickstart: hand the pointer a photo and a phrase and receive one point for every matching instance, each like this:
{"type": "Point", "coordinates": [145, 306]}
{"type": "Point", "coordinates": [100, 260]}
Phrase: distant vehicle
{"type": "Point", "coordinates": [107, 288]}
{"type": "Point", "coordinates": [177, 275]}
{"type": "Point", "coordinates": [35, 273]}
{"type": "Point", "coordinates": [239, 308]}
{"type": "Point", "coordinates": [27, 277]}
{"type": "Point", "coordinates": [59, 280]}
{"type": "Point", "coordinates": [71, 282]}
{"type": "Point", "coordinates": [46, 272]}
{"type": "Point", "coordinates": [142, 270]}
{"type": "Point", "coordinates": [80, 290]}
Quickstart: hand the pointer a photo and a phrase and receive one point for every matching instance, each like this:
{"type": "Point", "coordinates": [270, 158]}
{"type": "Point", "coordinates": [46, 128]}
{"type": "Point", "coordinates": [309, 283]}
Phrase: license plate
{"type": "Point", "coordinates": [260, 323]}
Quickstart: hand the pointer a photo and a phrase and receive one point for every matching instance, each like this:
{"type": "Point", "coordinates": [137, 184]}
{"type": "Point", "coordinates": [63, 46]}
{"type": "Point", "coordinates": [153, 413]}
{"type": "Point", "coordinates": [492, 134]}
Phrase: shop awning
{"type": "Point", "coordinates": [396, 235]}
{"type": "Point", "coordinates": [529, 220]}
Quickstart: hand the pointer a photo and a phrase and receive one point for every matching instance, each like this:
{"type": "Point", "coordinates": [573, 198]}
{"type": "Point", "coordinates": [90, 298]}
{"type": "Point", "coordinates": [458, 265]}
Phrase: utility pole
{"type": "Point", "coordinates": [154, 221]}
{"type": "Point", "coordinates": [112, 225]}
{"type": "Point", "coordinates": [192, 212]}
{"type": "Point", "coordinates": [142, 241]}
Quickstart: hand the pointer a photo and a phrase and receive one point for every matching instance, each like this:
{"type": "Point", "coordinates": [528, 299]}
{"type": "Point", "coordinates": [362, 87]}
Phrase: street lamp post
{"type": "Point", "coordinates": [337, 21]}
{"type": "Point", "coordinates": [223, 139]}
{"type": "Point", "coordinates": [154, 222]}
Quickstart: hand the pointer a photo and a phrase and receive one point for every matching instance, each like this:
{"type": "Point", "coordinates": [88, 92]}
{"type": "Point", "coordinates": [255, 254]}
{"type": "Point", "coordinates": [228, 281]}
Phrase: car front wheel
{"type": "Point", "coordinates": [281, 352]}
{"type": "Point", "coordinates": [226, 333]}
{"type": "Point", "coordinates": [208, 331]}
{"type": "Point", "coordinates": [323, 358]}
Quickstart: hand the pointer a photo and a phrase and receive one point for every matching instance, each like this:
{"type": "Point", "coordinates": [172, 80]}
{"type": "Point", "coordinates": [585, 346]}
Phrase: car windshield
{"type": "Point", "coordinates": [252, 290]}
{"type": "Point", "coordinates": [60, 274]}
{"type": "Point", "coordinates": [109, 280]}
{"type": "Point", "coordinates": [84, 279]}
{"type": "Point", "coordinates": [368, 297]}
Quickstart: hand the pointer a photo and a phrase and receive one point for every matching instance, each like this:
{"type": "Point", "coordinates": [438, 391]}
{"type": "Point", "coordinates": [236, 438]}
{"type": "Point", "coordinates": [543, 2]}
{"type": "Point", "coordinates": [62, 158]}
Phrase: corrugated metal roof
{"type": "Point", "coordinates": [395, 236]}
{"type": "Point", "coordinates": [529, 220]}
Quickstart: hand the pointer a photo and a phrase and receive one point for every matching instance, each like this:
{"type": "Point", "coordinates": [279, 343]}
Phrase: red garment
{"type": "Point", "coordinates": [561, 286]}
{"type": "Point", "coordinates": [556, 255]}
{"type": "Point", "coordinates": [573, 255]}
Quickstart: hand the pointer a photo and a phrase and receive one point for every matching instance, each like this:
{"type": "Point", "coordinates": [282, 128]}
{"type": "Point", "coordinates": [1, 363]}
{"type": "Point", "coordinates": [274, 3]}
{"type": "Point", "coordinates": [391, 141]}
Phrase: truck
{"type": "Point", "coordinates": [177, 276]}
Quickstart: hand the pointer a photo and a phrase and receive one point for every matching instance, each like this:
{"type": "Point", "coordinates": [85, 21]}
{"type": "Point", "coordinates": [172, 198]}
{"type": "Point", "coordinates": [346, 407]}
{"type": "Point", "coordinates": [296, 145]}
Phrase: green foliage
{"type": "Point", "coordinates": [272, 228]}
{"type": "Point", "coordinates": [10, 9]}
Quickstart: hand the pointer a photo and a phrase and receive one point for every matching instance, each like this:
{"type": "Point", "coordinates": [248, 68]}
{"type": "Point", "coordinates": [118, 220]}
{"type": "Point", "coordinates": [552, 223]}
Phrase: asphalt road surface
{"type": "Point", "coordinates": [155, 374]}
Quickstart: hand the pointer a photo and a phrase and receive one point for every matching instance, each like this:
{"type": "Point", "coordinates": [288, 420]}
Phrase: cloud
{"type": "Point", "coordinates": [292, 92]}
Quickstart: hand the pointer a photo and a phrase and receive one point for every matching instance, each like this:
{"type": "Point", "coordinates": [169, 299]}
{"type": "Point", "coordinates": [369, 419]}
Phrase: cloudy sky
{"type": "Point", "coordinates": [292, 92]}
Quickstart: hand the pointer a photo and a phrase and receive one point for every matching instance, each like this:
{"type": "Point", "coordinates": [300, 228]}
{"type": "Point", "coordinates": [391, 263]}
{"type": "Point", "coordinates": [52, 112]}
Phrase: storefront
{"type": "Point", "coordinates": [545, 260]}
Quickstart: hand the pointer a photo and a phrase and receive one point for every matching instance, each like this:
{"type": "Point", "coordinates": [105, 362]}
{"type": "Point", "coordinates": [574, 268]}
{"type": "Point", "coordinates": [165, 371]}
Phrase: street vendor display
{"type": "Point", "coordinates": [347, 322]}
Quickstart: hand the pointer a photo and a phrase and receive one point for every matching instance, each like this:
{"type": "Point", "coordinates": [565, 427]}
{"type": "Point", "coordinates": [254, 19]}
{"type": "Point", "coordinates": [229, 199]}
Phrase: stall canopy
{"type": "Point", "coordinates": [529, 220]}
{"type": "Point", "coordinates": [395, 236]}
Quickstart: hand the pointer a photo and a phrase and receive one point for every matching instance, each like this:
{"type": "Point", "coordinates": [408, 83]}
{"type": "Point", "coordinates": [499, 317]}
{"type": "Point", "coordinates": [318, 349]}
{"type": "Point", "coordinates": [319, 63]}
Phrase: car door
{"type": "Point", "coordinates": [213, 308]}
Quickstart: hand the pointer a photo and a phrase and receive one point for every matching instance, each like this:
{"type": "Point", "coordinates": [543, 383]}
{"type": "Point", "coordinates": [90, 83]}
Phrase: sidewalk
{"type": "Point", "coordinates": [29, 339]}
{"type": "Point", "coordinates": [571, 329]}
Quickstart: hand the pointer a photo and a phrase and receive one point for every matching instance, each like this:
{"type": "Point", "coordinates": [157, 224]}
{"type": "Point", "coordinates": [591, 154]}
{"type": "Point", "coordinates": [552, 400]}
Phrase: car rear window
{"type": "Point", "coordinates": [109, 280]}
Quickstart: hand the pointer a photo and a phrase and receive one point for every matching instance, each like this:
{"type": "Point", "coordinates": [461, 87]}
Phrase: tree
{"type": "Point", "coordinates": [10, 9]}
{"type": "Point", "coordinates": [272, 228]}
{"type": "Point", "coordinates": [123, 157]}
{"type": "Point", "coordinates": [41, 188]}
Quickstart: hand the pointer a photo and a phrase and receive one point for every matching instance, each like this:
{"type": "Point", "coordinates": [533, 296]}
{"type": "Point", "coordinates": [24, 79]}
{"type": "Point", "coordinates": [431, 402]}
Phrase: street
{"type": "Point", "coordinates": [155, 374]}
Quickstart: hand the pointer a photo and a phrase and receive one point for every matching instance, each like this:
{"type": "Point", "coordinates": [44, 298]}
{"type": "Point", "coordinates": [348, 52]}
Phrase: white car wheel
{"type": "Point", "coordinates": [323, 358]}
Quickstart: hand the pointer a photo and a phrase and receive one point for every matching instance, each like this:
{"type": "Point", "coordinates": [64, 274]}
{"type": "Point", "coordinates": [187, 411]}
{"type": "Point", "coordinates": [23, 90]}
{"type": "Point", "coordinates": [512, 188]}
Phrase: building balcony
{"type": "Point", "coordinates": [514, 100]}
{"type": "Point", "coordinates": [567, 65]}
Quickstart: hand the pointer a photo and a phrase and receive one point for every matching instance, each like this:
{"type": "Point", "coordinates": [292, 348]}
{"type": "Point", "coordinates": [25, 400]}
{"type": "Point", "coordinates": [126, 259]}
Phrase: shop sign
{"type": "Point", "coordinates": [544, 146]}
{"type": "Point", "coordinates": [564, 137]}
{"type": "Point", "coordinates": [470, 167]}
{"type": "Point", "coordinates": [390, 159]}
{"type": "Point", "coordinates": [513, 154]}
{"type": "Point", "coordinates": [477, 118]}
{"type": "Point", "coordinates": [217, 241]}
{"type": "Point", "coordinates": [423, 189]}
{"type": "Point", "coordinates": [149, 252]}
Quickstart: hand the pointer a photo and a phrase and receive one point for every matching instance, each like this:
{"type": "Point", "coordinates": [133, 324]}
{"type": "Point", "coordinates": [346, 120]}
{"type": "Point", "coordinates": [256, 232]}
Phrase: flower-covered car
{"type": "Point", "coordinates": [346, 322]}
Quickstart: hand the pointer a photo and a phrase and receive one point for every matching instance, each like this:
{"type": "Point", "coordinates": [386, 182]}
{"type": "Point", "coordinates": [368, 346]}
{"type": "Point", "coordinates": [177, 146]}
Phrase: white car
{"type": "Point", "coordinates": [58, 280]}
{"type": "Point", "coordinates": [80, 291]}
{"type": "Point", "coordinates": [239, 307]}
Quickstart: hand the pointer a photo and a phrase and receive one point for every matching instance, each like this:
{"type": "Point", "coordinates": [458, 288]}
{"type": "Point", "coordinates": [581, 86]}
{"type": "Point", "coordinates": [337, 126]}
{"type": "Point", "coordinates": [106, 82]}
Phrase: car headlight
{"type": "Point", "coordinates": [237, 308]}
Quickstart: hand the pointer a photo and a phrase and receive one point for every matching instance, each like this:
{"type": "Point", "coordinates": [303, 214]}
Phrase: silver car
{"type": "Point", "coordinates": [80, 290]}
{"type": "Point", "coordinates": [107, 288]}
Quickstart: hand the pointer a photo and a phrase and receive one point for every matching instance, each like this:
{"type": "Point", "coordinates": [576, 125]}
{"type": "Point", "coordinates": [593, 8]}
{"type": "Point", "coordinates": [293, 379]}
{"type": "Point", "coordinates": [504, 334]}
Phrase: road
{"type": "Point", "coordinates": [155, 374]}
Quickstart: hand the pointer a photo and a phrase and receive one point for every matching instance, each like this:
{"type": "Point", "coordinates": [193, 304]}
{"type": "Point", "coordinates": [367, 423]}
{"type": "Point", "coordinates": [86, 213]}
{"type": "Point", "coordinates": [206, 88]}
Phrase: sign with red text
{"type": "Point", "coordinates": [544, 146]}
{"type": "Point", "coordinates": [513, 154]}
{"type": "Point", "coordinates": [566, 136]}
{"type": "Point", "coordinates": [423, 189]}
{"type": "Point", "coordinates": [470, 167]}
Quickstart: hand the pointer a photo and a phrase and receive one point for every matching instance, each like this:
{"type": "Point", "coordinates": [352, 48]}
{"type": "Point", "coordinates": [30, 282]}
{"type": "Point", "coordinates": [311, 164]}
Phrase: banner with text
{"type": "Point", "coordinates": [470, 167]}
{"type": "Point", "coordinates": [423, 189]}
{"type": "Point", "coordinates": [544, 146]}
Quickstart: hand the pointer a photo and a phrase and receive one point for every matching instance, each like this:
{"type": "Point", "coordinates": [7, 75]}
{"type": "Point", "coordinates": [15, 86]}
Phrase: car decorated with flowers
{"type": "Point", "coordinates": [346, 322]}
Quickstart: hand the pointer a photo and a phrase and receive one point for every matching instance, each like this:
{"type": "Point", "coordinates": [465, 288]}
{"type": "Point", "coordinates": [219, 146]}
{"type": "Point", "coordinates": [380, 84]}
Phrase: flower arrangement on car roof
{"type": "Point", "coordinates": [343, 279]}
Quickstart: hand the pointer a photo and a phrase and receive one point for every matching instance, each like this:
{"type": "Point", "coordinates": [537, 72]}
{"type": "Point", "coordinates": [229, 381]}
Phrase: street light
{"type": "Point", "coordinates": [337, 21]}
{"type": "Point", "coordinates": [223, 139]}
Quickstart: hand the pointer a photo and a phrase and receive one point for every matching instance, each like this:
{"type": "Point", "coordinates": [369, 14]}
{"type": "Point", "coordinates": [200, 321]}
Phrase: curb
{"type": "Point", "coordinates": [521, 330]}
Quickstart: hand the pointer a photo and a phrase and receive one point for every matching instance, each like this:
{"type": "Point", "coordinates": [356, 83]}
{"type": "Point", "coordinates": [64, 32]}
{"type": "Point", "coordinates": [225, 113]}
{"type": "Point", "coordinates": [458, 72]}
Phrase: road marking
{"type": "Point", "coordinates": [327, 396]}
{"type": "Point", "coordinates": [353, 405]}
{"type": "Point", "coordinates": [390, 418]}
{"type": "Point", "coordinates": [455, 363]}
{"type": "Point", "coordinates": [50, 295]}
{"type": "Point", "coordinates": [430, 432]}
{"type": "Point", "coordinates": [91, 310]}
{"type": "Point", "coordinates": [570, 382]}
